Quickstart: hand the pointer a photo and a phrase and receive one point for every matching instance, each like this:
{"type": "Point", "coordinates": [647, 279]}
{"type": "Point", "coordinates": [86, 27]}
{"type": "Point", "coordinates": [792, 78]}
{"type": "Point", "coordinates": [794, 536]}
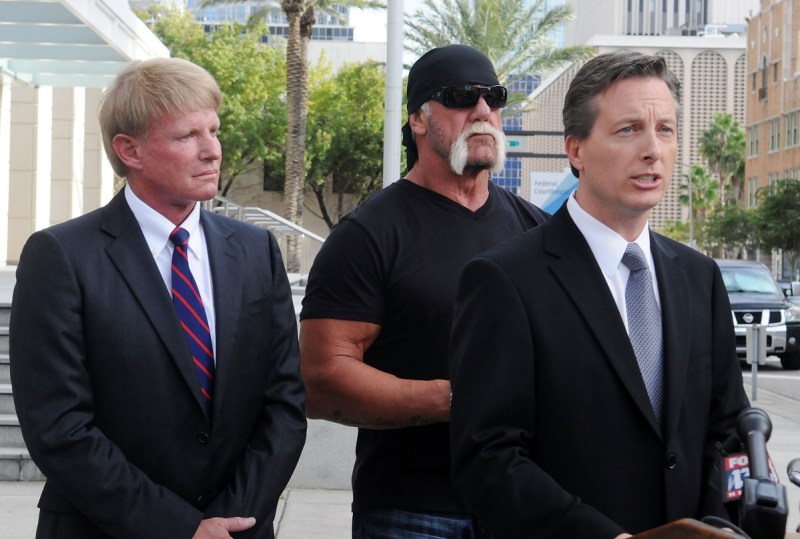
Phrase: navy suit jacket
{"type": "Point", "coordinates": [107, 396]}
{"type": "Point", "coordinates": [552, 431]}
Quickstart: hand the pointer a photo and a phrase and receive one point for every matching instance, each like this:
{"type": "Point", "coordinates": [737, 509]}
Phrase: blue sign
{"type": "Point", "coordinates": [549, 190]}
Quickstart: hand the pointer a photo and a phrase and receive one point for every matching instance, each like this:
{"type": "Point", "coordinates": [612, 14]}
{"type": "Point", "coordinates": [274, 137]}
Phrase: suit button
{"type": "Point", "coordinates": [671, 462]}
{"type": "Point", "coordinates": [202, 501]}
{"type": "Point", "coordinates": [202, 438]}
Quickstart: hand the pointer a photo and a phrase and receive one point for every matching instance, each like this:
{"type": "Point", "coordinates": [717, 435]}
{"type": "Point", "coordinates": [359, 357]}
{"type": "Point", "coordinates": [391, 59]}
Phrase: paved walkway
{"type": "Point", "coordinates": [302, 513]}
{"type": "Point", "coordinates": [318, 513]}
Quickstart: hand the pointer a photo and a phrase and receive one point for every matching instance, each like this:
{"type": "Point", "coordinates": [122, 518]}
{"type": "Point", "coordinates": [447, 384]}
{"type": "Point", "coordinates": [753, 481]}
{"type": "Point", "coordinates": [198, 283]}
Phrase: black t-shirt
{"type": "Point", "coordinates": [395, 261]}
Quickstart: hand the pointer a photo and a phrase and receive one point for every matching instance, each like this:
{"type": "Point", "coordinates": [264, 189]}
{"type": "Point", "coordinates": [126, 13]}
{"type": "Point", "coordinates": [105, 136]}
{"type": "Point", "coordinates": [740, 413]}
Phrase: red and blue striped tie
{"type": "Point", "coordinates": [192, 315]}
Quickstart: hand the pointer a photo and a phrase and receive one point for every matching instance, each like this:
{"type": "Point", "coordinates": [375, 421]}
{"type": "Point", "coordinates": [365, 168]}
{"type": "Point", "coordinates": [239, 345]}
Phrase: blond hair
{"type": "Point", "coordinates": [146, 91]}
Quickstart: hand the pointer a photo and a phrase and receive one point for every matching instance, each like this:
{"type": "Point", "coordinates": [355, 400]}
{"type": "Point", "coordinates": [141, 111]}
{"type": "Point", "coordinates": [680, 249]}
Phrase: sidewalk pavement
{"type": "Point", "coordinates": [312, 513]}
{"type": "Point", "coordinates": [302, 513]}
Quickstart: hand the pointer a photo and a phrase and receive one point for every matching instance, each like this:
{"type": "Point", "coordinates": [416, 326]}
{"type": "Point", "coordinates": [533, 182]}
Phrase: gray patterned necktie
{"type": "Point", "coordinates": [644, 325]}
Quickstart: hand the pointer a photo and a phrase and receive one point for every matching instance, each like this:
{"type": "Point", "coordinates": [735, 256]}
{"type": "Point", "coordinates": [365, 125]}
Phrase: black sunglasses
{"type": "Point", "coordinates": [464, 96]}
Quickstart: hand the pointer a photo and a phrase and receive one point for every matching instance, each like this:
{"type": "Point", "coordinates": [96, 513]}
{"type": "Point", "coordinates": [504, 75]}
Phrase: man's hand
{"type": "Point", "coordinates": [221, 528]}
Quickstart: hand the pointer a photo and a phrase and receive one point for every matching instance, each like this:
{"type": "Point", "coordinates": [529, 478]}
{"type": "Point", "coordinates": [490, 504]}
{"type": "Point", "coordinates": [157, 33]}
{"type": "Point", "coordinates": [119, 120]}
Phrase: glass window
{"type": "Point", "coordinates": [749, 280]}
{"type": "Point", "coordinates": [774, 134]}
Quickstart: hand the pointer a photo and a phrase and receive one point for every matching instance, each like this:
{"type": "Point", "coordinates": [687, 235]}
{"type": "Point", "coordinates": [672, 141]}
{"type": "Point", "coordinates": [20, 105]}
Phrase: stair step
{"type": "Point", "coordinates": [6, 399]}
{"type": "Point", "coordinates": [16, 465]}
{"type": "Point", "coordinates": [5, 314]}
{"type": "Point", "coordinates": [4, 340]}
{"type": "Point", "coordinates": [10, 435]}
{"type": "Point", "coordinates": [5, 369]}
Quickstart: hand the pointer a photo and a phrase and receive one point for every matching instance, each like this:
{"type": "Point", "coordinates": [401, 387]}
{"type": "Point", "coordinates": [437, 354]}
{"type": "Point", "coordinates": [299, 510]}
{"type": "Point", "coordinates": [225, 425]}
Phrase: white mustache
{"type": "Point", "coordinates": [459, 152]}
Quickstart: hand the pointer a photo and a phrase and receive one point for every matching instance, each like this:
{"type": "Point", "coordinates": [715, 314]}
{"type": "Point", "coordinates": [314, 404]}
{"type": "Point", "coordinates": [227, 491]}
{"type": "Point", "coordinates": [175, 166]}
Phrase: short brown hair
{"type": "Point", "coordinates": [596, 75]}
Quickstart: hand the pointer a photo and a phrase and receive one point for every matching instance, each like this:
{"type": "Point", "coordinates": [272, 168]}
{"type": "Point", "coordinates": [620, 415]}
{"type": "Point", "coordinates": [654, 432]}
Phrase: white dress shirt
{"type": "Point", "coordinates": [157, 229]}
{"type": "Point", "coordinates": [608, 247]}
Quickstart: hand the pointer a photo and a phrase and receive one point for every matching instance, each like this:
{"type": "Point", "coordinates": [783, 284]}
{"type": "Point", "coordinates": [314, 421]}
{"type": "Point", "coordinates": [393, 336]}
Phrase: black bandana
{"type": "Point", "coordinates": [443, 66]}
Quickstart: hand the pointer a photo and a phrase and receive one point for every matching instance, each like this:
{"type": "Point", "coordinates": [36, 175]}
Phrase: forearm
{"type": "Point", "coordinates": [54, 395]}
{"type": "Point", "coordinates": [277, 436]}
{"type": "Point", "coordinates": [340, 387]}
{"type": "Point", "coordinates": [264, 469]}
{"type": "Point", "coordinates": [350, 392]}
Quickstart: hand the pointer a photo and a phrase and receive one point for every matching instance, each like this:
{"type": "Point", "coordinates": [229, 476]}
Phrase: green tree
{"type": "Point", "coordinates": [699, 193]}
{"type": "Point", "coordinates": [704, 190]}
{"type": "Point", "coordinates": [514, 34]}
{"type": "Point", "coordinates": [251, 78]}
{"type": "Point", "coordinates": [345, 138]}
{"type": "Point", "coordinates": [777, 219]}
{"type": "Point", "coordinates": [728, 231]}
{"type": "Point", "coordinates": [300, 14]}
{"type": "Point", "coordinates": [677, 230]}
{"type": "Point", "coordinates": [722, 144]}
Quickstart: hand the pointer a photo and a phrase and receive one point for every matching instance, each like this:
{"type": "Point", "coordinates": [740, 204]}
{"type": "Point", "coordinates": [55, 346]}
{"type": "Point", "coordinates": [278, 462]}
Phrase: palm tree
{"type": "Point", "coordinates": [703, 192]}
{"type": "Point", "coordinates": [722, 144]}
{"type": "Point", "coordinates": [514, 34]}
{"type": "Point", "coordinates": [300, 14]}
{"type": "Point", "coordinates": [301, 18]}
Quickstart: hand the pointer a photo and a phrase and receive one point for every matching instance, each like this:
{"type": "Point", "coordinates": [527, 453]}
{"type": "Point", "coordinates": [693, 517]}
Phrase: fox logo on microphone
{"type": "Point", "coordinates": [737, 469]}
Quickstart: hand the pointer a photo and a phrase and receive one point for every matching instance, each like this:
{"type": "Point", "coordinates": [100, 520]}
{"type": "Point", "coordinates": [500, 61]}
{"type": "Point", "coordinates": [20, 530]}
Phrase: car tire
{"type": "Point", "coordinates": [790, 361]}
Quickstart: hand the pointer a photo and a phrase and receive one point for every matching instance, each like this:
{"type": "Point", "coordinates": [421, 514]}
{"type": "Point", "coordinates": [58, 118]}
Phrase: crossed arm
{"type": "Point", "coordinates": [341, 387]}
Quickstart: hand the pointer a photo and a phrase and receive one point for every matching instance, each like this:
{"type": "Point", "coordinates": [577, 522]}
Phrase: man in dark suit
{"type": "Point", "coordinates": [147, 423]}
{"type": "Point", "coordinates": [562, 425]}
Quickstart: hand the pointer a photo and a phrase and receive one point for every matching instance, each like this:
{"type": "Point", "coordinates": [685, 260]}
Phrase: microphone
{"type": "Point", "coordinates": [754, 428]}
{"type": "Point", "coordinates": [764, 508]}
{"type": "Point", "coordinates": [793, 469]}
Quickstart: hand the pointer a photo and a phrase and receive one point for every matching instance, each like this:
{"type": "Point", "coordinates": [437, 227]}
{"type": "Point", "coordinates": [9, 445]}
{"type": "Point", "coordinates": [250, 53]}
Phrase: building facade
{"type": "Point", "coordinates": [510, 178]}
{"type": "Point", "coordinates": [327, 27]}
{"type": "Point", "coordinates": [773, 101]}
{"type": "Point", "coordinates": [773, 96]}
{"type": "Point", "coordinates": [712, 72]}
{"type": "Point", "coordinates": [655, 17]}
{"type": "Point", "coordinates": [55, 59]}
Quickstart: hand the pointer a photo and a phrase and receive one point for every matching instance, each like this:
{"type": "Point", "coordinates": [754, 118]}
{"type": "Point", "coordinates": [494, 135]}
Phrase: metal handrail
{"type": "Point", "coordinates": [258, 217]}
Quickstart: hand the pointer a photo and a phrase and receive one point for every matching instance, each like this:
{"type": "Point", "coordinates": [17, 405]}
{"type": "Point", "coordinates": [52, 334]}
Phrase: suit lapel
{"type": "Point", "coordinates": [673, 289]}
{"type": "Point", "coordinates": [130, 255]}
{"type": "Point", "coordinates": [574, 266]}
{"type": "Point", "coordinates": [226, 274]}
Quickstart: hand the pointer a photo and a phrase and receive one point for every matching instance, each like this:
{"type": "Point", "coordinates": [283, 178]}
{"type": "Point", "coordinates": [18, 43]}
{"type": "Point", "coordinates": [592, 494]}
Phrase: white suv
{"type": "Point", "coordinates": [756, 298]}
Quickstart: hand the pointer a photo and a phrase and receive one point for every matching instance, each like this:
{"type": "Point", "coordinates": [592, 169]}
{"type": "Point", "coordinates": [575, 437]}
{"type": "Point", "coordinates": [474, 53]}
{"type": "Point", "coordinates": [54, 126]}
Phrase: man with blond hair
{"type": "Point", "coordinates": [153, 350]}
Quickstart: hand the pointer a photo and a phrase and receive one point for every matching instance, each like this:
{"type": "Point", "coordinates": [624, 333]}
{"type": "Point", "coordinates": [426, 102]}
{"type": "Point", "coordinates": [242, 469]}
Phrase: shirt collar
{"type": "Point", "coordinates": [606, 245]}
{"type": "Point", "coordinates": [157, 228]}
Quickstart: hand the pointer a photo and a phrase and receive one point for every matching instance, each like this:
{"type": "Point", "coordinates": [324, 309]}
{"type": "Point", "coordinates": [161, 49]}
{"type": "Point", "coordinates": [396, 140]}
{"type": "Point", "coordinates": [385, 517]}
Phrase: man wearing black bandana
{"type": "Point", "coordinates": [377, 312]}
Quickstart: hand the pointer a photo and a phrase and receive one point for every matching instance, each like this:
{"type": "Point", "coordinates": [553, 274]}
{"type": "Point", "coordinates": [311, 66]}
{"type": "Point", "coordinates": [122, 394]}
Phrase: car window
{"type": "Point", "coordinates": [750, 281]}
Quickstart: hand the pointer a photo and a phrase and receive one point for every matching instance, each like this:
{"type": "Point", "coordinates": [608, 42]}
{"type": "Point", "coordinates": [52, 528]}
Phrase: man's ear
{"type": "Point", "coordinates": [572, 146]}
{"type": "Point", "coordinates": [417, 122]}
{"type": "Point", "coordinates": [127, 149]}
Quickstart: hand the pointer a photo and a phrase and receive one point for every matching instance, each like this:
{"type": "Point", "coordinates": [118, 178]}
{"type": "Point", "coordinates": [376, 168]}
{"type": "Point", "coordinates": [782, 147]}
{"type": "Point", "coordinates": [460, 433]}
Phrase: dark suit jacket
{"type": "Point", "coordinates": [107, 395]}
{"type": "Point", "coordinates": [552, 431]}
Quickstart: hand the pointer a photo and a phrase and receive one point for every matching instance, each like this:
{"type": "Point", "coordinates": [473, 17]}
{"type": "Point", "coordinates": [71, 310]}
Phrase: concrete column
{"type": "Point", "coordinates": [5, 152]}
{"type": "Point", "coordinates": [98, 175]}
{"type": "Point", "coordinates": [67, 167]}
{"type": "Point", "coordinates": [30, 159]}
{"type": "Point", "coordinates": [393, 106]}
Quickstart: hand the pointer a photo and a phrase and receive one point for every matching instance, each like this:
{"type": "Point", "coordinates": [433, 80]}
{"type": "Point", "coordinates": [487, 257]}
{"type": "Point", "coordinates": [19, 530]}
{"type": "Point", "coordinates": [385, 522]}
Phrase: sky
{"type": "Point", "coordinates": [370, 24]}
